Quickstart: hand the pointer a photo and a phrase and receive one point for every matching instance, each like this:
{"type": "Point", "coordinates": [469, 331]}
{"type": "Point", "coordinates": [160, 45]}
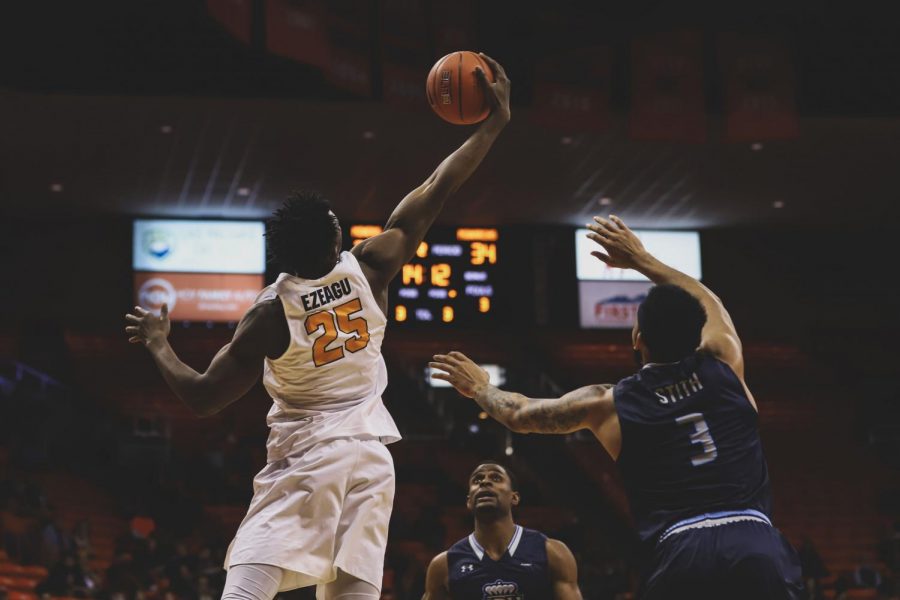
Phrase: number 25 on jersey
{"type": "Point", "coordinates": [329, 322]}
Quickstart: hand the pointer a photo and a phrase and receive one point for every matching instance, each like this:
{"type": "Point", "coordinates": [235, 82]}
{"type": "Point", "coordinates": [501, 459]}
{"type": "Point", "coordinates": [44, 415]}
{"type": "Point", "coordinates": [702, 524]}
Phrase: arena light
{"type": "Point", "coordinates": [362, 232]}
{"type": "Point", "coordinates": [472, 234]}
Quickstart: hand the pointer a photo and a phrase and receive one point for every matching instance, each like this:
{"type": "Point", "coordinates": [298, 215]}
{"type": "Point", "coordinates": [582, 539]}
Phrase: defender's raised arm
{"type": "Point", "coordinates": [625, 251]}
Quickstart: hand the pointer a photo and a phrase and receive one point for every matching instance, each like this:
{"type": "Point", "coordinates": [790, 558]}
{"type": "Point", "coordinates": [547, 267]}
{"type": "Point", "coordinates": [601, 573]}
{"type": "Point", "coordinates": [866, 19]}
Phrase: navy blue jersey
{"type": "Point", "coordinates": [690, 443]}
{"type": "Point", "coordinates": [520, 574]}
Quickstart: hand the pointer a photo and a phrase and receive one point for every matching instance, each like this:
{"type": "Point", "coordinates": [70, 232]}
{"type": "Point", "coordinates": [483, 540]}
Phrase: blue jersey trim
{"type": "Point", "coordinates": [749, 512]}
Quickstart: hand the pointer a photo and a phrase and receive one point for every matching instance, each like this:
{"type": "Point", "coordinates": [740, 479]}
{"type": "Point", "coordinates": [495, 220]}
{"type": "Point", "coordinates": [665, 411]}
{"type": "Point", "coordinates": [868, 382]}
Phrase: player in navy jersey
{"type": "Point", "coordinates": [501, 560]}
{"type": "Point", "coordinates": [684, 432]}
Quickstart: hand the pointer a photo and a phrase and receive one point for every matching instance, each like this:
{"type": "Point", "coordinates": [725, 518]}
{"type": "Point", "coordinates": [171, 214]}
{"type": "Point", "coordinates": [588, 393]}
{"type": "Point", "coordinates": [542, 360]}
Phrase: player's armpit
{"type": "Point", "coordinates": [381, 257]}
{"type": "Point", "coordinates": [725, 346]}
{"type": "Point", "coordinates": [563, 571]}
{"type": "Point", "coordinates": [436, 579]}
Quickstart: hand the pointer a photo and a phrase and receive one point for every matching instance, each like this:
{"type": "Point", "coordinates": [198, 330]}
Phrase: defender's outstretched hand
{"type": "Point", "coordinates": [497, 92]}
{"type": "Point", "coordinates": [147, 328]}
{"type": "Point", "coordinates": [459, 370]}
{"type": "Point", "coordinates": [623, 248]}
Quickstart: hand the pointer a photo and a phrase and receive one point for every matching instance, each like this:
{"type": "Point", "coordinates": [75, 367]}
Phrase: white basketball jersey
{"type": "Point", "coordinates": [328, 383]}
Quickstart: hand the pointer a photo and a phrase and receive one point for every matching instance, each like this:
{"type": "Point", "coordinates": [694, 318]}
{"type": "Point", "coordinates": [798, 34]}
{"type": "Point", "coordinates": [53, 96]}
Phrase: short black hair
{"type": "Point", "coordinates": [671, 321]}
{"type": "Point", "coordinates": [300, 234]}
{"type": "Point", "coordinates": [513, 482]}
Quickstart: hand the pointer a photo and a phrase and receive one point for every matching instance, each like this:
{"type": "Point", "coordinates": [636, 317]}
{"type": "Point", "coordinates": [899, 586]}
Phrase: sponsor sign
{"type": "Point", "coordinates": [610, 304]}
{"type": "Point", "coordinates": [678, 249]}
{"type": "Point", "coordinates": [197, 296]}
{"type": "Point", "coordinates": [183, 246]}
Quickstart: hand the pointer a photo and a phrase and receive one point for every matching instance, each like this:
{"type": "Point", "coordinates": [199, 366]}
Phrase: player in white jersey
{"type": "Point", "coordinates": [321, 506]}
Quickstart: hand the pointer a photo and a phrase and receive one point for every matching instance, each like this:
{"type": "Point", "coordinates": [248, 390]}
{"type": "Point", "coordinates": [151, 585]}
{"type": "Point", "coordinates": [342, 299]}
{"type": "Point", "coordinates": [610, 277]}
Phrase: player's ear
{"type": "Point", "coordinates": [469, 501]}
{"type": "Point", "coordinates": [515, 498]}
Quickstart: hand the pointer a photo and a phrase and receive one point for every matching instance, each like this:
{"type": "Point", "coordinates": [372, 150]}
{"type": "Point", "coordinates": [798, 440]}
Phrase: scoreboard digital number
{"type": "Point", "coordinates": [451, 279]}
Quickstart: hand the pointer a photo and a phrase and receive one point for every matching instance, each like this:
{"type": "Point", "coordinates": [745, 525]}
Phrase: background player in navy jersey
{"type": "Point", "coordinates": [501, 560]}
{"type": "Point", "coordinates": [684, 432]}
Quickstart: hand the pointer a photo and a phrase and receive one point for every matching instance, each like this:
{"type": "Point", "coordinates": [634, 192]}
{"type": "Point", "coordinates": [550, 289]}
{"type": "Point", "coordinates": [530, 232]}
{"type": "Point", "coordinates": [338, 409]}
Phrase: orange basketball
{"type": "Point", "coordinates": [453, 89]}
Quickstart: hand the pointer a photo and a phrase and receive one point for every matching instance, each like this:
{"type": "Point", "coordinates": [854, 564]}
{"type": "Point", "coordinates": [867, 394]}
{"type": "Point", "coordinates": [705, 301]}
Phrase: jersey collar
{"type": "Point", "coordinates": [648, 365]}
{"type": "Point", "coordinates": [511, 548]}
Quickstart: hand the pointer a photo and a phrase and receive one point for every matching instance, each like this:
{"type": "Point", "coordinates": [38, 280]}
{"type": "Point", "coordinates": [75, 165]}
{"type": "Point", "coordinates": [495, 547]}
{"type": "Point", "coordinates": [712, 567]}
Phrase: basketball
{"type": "Point", "coordinates": [453, 89]}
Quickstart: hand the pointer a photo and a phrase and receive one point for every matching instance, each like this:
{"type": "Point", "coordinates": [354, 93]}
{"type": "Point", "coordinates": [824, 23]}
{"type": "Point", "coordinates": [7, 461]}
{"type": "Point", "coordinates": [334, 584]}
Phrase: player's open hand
{"type": "Point", "coordinates": [459, 370]}
{"type": "Point", "coordinates": [623, 248]}
{"type": "Point", "coordinates": [498, 92]}
{"type": "Point", "coordinates": [147, 328]}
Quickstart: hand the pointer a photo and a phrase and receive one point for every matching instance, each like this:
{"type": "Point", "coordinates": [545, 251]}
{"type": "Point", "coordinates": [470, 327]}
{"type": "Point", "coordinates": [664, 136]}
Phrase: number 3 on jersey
{"type": "Point", "coordinates": [700, 436]}
{"type": "Point", "coordinates": [329, 322]}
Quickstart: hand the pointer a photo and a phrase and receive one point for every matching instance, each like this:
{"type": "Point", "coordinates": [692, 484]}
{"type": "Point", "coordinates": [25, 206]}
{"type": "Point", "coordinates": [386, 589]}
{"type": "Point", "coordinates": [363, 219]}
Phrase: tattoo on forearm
{"type": "Point", "coordinates": [555, 417]}
{"type": "Point", "coordinates": [499, 404]}
{"type": "Point", "coordinates": [537, 415]}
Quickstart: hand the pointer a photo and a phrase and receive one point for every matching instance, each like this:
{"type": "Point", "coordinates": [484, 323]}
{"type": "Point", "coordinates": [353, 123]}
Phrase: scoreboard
{"type": "Point", "coordinates": [451, 279]}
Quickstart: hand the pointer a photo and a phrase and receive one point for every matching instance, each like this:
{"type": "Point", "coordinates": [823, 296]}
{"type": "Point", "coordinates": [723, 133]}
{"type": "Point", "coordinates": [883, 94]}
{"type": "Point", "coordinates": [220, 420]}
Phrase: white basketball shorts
{"type": "Point", "coordinates": [325, 509]}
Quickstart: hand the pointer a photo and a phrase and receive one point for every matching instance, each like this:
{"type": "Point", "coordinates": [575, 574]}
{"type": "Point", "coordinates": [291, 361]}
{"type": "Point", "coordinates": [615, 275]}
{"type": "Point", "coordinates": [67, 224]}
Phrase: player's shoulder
{"type": "Point", "coordinates": [559, 556]}
{"type": "Point", "coordinates": [533, 535]}
{"type": "Point", "coordinates": [437, 577]}
{"type": "Point", "coordinates": [556, 548]}
{"type": "Point", "coordinates": [263, 330]}
{"type": "Point", "coordinates": [265, 312]}
{"type": "Point", "coordinates": [529, 545]}
{"type": "Point", "coordinates": [439, 563]}
{"type": "Point", "coordinates": [710, 365]}
{"type": "Point", "coordinates": [625, 385]}
{"type": "Point", "coordinates": [461, 546]}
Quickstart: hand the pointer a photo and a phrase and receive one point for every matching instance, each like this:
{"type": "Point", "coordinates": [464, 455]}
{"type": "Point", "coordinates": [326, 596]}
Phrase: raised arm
{"type": "Point", "coordinates": [383, 256]}
{"type": "Point", "coordinates": [233, 370]}
{"type": "Point", "coordinates": [589, 407]}
{"type": "Point", "coordinates": [436, 585]}
{"type": "Point", "coordinates": [624, 250]}
{"type": "Point", "coordinates": [563, 571]}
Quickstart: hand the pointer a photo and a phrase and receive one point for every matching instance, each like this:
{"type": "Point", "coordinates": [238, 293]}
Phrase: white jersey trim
{"type": "Point", "coordinates": [511, 548]}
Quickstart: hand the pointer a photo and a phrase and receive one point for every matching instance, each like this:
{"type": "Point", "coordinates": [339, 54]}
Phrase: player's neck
{"type": "Point", "coordinates": [494, 535]}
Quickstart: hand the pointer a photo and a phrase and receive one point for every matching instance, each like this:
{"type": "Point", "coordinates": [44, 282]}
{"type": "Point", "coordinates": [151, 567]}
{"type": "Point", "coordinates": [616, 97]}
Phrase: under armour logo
{"type": "Point", "coordinates": [467, 568]}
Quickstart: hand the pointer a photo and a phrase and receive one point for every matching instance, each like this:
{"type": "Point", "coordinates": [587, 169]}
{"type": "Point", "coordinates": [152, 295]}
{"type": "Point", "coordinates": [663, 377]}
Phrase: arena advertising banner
{"type": "Point", "coordinates": [610, 304]}
{"type": "Point", "coordinates": [571, 90]}
{"type": "Point", "coordinates": [183, 246]}
{"type": "Point", "coordinates": [609, 298]}
{"type": "Point", "coordinates": [203, 270]}
{"type": "Point", "coordinates": [759, 89]}
{"type": "Point", "coordinates": [298, 29]}
{"type": "Point", "coordinates": [679, 249]}
{"type": "Point", "coordinates": [198, 296]}
{"type": "Point", "coordinates": [667, 87]}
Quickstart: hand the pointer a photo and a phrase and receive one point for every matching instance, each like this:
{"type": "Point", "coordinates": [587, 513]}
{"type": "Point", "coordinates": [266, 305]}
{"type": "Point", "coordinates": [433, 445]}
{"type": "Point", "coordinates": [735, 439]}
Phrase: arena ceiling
{"type": "Point", "coordinates": [239, 158]}
{"type": "Point", "coordinates": [151, 109]}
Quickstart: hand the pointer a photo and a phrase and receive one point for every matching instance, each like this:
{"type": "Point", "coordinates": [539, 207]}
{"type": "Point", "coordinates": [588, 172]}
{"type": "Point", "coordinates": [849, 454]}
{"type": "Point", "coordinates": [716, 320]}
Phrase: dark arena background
{"type": "Point", "coordinates": [762, 139]}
